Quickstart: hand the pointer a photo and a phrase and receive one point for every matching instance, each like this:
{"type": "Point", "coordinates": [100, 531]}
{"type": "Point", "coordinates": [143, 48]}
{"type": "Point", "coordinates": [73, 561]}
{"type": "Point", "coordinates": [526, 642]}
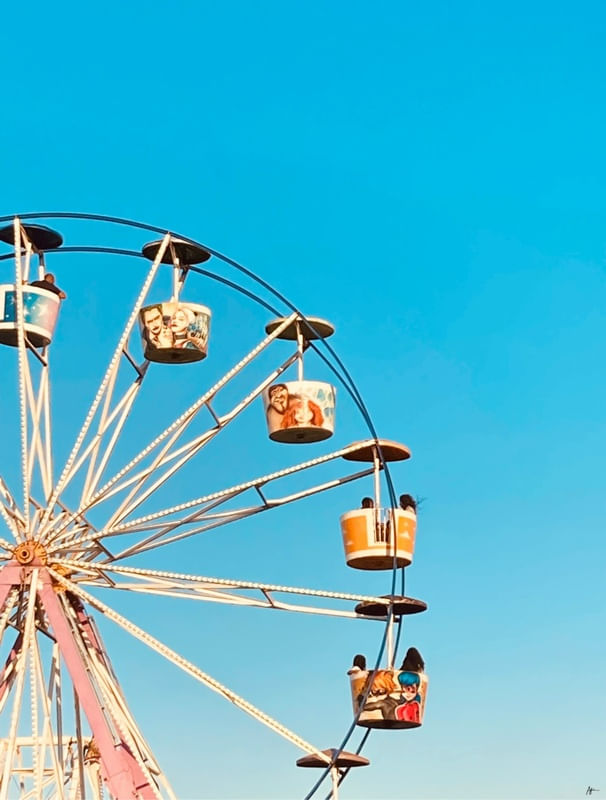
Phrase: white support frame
{"type": "Point", "coordinates": [203, 509]}
{"type": "Point", "coordinates": [214, 590]}
{"type": "Point", "coordinates": [105, 388]}
{"type": "Point", "coordinates": [189, 668]}
{"type": "Point", "coordinates": [173, 432]}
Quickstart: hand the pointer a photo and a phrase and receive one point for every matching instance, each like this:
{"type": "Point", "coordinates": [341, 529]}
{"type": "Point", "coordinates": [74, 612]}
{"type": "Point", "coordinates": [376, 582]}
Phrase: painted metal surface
{"type": "Point", "coordinates": [373, 536]}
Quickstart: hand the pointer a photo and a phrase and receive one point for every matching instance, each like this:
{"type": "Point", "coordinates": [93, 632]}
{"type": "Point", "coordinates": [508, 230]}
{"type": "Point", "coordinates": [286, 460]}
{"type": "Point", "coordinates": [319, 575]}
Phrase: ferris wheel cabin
{"type": "Point", "coordinates": [40, 305]}
{"type": "Point", "coordinates": [388, 698]}
{"type": "Point", "coordinates": [175, 331]}
{"type": "Point", "coordinates": [301, 411]}
{"type": "Point", "coordinates": [376, 538]}
{"type": "Point", "coordinates": [40, 312]}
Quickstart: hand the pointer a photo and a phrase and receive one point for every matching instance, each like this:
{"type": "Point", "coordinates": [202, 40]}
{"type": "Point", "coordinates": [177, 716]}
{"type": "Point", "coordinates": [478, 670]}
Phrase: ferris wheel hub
{"type": "Point", "coordinates": [30, 551]}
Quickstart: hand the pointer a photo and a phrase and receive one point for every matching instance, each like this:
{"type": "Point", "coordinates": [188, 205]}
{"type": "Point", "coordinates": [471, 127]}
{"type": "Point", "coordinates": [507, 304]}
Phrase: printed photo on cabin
{"type": "Point", "coordinates": [174, 326]}
{"type": "Point", "coordinates": [396, 698]}
{"type": "Point", "coordinates": [299, 404]}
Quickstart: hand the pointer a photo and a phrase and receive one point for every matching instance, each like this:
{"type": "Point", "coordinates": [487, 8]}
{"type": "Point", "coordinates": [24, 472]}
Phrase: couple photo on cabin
{"type": "Point", "coordinates": [174, 326]}
{"type": "Point", "coordinates": [294, 405]}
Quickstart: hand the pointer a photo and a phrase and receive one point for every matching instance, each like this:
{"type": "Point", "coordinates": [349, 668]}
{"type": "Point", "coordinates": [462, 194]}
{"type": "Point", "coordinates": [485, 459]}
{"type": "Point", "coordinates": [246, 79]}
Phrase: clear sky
{"type": "Point", "coordinates": [431, 178]}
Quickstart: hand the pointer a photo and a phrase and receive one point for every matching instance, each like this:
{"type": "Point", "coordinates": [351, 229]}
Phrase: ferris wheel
{"type": "Point", "coordinates": [88, 521]}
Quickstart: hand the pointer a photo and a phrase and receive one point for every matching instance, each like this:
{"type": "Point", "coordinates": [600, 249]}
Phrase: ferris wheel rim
{"type": "Point", "coordinates": [227, 260]}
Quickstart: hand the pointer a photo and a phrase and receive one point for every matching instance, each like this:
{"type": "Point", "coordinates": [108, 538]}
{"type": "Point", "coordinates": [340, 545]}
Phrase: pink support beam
{"type": "Point", "coordinates": [10, 575]}
{"type": "Point", "coordinates": [124, 777]}
{"type": "Point", "coordinates": [122, 780]}
{"type": "Point", "coordinates": [86, 625]}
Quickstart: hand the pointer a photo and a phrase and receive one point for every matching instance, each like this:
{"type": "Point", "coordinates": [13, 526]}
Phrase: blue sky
{"type": "Point", "coordinates": [429, 177]}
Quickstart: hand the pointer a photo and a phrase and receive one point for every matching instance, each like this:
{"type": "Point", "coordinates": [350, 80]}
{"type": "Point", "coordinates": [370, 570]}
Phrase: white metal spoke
{"type": "Point", "coordinates": [111, 696]}
{"type": "Point", "coordinates": [220, 519]}
{"type": "Point", "coordinates": [24, 242]}
{"type": "Point", "coordinates": [102, 421]}
{"type": "Point", "coordinates": [218, 590]}
{"type": "Point", "coordinates": [23, 369]}
{"type": "Point", "coordinates": [98, 659]}
{"type": "Point", "coordinates": [212, 521]}
{"type": "Point", "coordinates": [113, 364]}
{"type": "Point", "coordinates": [13, 523]}
{"type": "Point", "coordinates": [47, 423]}
{"type": "Point", "coordinates": [225, 494]}
{"type": "Point", "coordinates": [179, 425]}
{"type": "Point", "coordinates": [210, 502]}
{"type": "Point", "coordinates": [176, 429]}
{"type": "Point", "coordinates": [133, 738]}
{"type": "Point", "coordinates": [235, 600]}
{"type": "Point", "coordinates": [93, 479]}
{"type": "Point", "coordinates": [114, 699]}
{"type": "Point", "coordinates": [184, 453]}
{"type": "Point", "coordinates": [81, 525]}
{"type": "Point", "coordinates": [189, 668]}
{"type": "Point", "coordinates": [43, 447]}
{"type": "Point", "coordinates": [7, 495]}
{"type": "Point", "coordinates": [34, 410]}
{"type": "Point", "coordinates": [121, 410]}
{"type": "Point", "coordinates": [36, 446]}
{"type": "Point", "coordinates": [46, 699]}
